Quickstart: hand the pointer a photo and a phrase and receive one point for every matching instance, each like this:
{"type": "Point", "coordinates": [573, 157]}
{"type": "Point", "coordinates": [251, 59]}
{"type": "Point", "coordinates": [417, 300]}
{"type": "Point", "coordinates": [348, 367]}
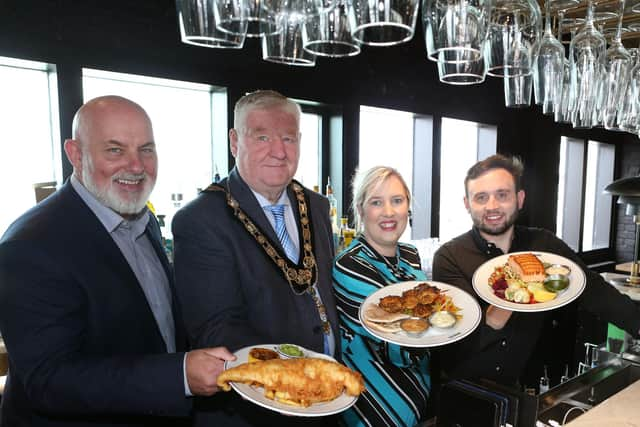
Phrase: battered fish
{"type": "Point", "coordinates": [302, 381]}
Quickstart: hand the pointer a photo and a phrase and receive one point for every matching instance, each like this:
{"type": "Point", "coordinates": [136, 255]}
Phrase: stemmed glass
{"type": "Point", "coordinates": [562, 110]}
{"type": "Point", "coordinates": [588, 55]}
{"type": "Point", "coordinates": [548, 68]}
{"type": "Point", "coordinates": [617, 67]}
{"type": "Point", "coordinates": [629, 116]}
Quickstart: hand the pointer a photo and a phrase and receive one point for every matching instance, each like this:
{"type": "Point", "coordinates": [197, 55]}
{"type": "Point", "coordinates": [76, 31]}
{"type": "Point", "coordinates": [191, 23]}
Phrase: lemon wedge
{"type": "Point", "coordinates": [540, 294]}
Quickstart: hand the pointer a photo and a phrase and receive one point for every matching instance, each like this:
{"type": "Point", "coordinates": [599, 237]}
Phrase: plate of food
{"type": "Point", "coordinates": [529, 281]}
{"type": "Point", "coordinates": [420, 314]}
{"type": "Point", "coordinates": [292, 380]}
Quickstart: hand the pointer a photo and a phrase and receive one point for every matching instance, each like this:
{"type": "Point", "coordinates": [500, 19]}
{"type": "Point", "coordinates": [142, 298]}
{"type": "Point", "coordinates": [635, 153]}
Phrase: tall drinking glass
{"type": "Point", "coordinates": [588, 48]}
{"type": "Point", "coordinates": [617, 67]}
{"type": "Point", "coordinates": [515, 26]}
{"type": "Point", "coordinates": [198, 21]}
{"type": "Point", "coordinates": [456, 26]}
{"type": "Point", "coordinates": [517, 91]}
{"type": "Point", "coordinates": [287, 46]}
{"type": "Point", "coordinates": [328, 33]}
{"type": "Point", "coordinates": [384, 22]}
{"type": "Point", "coordinates": [467, 70]}
{"type": "Point", "coordinates": [548, 68]}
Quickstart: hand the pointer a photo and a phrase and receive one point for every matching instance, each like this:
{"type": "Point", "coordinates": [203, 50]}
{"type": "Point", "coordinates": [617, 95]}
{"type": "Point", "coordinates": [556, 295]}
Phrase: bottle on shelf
{"type": "Point", "coordinates": [333, 213]}
{"type": "Point", "coordinates": [346, 234]}
{"type": "Point", "coordinates": [544, 381]}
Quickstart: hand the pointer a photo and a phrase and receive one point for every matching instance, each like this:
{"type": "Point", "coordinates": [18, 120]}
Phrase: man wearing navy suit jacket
{"type": "Point", "coordinates": [87, 304]}
{"type": "Point", "coordinates": [233, 273]}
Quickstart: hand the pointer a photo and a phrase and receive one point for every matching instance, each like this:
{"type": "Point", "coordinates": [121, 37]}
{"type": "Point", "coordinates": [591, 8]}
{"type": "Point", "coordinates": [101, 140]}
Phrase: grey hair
{"type": "Point", "coordinates": [262, 99]}
{"type": "Point", "coordinates": [365, 182]}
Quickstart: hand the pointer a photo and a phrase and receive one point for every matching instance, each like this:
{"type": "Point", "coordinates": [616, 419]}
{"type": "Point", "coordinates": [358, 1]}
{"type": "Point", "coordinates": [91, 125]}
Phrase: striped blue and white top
{"type": "Point", "coordinates": [397, 380]}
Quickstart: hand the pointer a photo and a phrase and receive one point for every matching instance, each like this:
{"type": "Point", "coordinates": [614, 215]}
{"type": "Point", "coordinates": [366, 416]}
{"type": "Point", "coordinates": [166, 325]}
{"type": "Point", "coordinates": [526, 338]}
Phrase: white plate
{"type": "Point", "coordinates": [469, 309]}
{"type": "Point", "coordinates": [576, 283]}
{"type": "Point", "coordinates": [256, 394]}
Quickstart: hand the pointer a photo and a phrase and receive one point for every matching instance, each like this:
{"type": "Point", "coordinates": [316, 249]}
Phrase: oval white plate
{"type": "Point", "coordinates": [469, 309]}
{"type": "Point", "coordinates": [256, 394]}
{"type": "Point", "coordinates": [483, 289]}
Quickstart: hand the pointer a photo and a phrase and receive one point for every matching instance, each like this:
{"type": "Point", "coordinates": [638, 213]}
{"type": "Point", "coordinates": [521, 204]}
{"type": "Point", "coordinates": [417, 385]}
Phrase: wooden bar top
{"type": "Point", "coordinates": [620, 410]}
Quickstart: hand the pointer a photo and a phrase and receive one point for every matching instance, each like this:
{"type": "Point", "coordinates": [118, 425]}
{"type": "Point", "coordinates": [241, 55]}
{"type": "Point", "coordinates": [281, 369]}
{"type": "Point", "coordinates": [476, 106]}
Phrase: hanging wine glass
{"type": "Point", "coordinates": [562, 110]}
{"type": "Point", "coordinates": [600, 86]}
{"type": "Point", "coordinates": [629, 116]}
{"type": "Point", "coordinates": [617, 66]}
{"type": "Point", "coordinates": [548, 68]}
{"type": "Point", "coordinates": [588, 56]}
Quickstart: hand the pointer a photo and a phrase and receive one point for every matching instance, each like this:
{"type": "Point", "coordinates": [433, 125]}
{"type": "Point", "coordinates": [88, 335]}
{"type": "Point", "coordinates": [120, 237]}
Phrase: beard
{"type": "Point", "coordinates": [498, 229]}
{"type": "Point", "coordinates": [108, 194]}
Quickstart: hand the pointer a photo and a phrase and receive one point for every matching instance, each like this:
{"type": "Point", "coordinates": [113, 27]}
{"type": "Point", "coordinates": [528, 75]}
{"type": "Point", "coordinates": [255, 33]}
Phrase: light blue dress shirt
{"type": "Point", "coordinates": [142, 258]}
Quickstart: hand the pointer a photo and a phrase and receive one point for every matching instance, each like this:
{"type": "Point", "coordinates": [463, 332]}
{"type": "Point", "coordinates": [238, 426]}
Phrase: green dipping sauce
{"type": "Point", "coordinates": [556, 284]}
{"type": "Point", "coordinates": [290, 350]}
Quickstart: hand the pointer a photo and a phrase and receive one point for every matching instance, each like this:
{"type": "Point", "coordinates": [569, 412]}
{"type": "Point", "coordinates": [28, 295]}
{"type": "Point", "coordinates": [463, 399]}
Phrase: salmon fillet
{"type": "Point", "coordinates": [528, 267]}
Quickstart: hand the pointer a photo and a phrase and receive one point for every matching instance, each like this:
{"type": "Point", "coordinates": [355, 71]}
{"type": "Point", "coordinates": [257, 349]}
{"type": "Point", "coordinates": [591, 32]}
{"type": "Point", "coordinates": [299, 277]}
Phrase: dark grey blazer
{"type": "Point", "coordinates": [84, 347]}
{"type": "Point", "coordinates": [231, 292]}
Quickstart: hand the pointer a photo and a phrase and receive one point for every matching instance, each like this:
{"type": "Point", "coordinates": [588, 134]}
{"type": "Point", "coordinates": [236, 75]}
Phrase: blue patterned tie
{"type": "Point", "coordinates": [281, 231]}
{"type": "Point", "coordinates": [292, 254]}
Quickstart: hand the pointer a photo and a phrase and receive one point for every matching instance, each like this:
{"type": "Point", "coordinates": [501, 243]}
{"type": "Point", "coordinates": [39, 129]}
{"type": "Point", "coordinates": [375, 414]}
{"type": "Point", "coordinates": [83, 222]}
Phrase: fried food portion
{"type": "Point", "coordinates": [409, 301]}
{"type": "Point", "coordinates": [422, 310]}
{"type": "Point", "coordinates": [302, 381]}
{"type": "Point", "coordinates": [423, 295]}
{"type": "Point", "coordinates": [391, 303]}
{"type": "Point", "coordinates": [427, 294]}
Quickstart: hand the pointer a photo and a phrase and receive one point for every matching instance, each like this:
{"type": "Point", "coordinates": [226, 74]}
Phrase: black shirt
{"type": "Point", "coordinates": [502, 355]}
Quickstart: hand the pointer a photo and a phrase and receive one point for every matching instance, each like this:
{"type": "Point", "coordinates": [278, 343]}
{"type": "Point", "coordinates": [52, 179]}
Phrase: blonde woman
{"type": "Point", "coordinates": [397, 381]}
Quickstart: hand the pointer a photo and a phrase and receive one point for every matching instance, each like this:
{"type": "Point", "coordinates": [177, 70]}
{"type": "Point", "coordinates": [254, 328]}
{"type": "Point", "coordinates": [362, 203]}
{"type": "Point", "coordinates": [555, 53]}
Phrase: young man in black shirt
{"type": "Point", "coordinates": [503, 343]}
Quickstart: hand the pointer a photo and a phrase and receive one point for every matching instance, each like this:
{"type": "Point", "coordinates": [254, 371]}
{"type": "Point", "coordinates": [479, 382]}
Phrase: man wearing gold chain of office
{"type": "Point", "coordinates": [253, 253]}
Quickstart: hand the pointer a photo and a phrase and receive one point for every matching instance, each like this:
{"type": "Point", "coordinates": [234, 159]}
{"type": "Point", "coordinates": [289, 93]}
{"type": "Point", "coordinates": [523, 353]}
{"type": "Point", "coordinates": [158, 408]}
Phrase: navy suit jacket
{"type": "Point", "coordinates": [231, 292]}
{"type": "Point", "coordinates": [84, 347]}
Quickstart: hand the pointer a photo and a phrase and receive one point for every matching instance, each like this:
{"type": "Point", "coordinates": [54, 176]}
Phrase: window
{"type": "Point", "coordinates": [387, 139]}
{"type": "Point", "coordinates": [570, 191]}
{"type": "Point", "coordinates": [587, 227]}
{"type": "Point", "coordinates": [31, 149]}
{"type": "Point", "coordinates": [463, 143]}
{"type": "Point", "coordinates": [597, 210]}
{"type": "Point", "coordinates": [308, 172]}
{"type": "Point", "coordinates": [190, 128]}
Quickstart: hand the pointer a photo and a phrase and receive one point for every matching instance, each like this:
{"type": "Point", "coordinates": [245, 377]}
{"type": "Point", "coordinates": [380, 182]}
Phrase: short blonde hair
{"type": "Point", "coordinates": [364, 183]}
{"type": "Point", "coordinates": [262, 99]}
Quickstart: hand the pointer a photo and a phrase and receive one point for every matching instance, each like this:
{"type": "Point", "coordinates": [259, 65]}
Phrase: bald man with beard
{"type": "Point", "coordinates": [87, 304]}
